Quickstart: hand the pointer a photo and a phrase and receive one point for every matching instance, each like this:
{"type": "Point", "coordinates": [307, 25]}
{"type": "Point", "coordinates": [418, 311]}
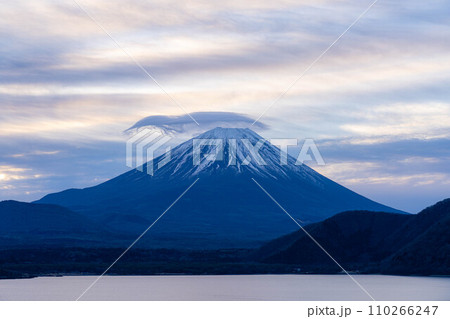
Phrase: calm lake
{"type": "Point", "coordinates": [255, 287]}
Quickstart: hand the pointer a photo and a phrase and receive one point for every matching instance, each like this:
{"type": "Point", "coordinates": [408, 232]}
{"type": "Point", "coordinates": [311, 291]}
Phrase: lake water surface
{"type": "Point", "coordinates": [255, 287]}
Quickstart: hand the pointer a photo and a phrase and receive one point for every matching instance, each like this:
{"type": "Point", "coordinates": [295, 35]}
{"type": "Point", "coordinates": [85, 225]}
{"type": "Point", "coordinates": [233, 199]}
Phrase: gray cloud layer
{"type": "Point", "coordinates": [67, 88]}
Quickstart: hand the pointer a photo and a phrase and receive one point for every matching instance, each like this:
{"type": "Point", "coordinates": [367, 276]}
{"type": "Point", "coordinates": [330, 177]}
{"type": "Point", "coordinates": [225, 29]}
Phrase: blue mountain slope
{"type": "Point", "coordinates": [25, 224]}
{"type": "Point", "coordinates": [225, 208]}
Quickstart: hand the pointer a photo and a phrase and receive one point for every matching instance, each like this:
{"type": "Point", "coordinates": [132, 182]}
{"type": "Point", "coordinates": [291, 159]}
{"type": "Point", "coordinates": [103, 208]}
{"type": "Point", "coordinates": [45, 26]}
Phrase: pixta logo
{"type": "Point", "coordinates": [143, 146]}
{"type": "Point", "coordinates": [217, 148]}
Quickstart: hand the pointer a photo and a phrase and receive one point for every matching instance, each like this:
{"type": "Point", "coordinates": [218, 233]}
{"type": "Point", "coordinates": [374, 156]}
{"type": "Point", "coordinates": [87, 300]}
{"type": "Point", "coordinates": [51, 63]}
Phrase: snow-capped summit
{"type": "Point", "coordinates": [230, 133]}
{"type": "Point", "coordinates": [231, 151]}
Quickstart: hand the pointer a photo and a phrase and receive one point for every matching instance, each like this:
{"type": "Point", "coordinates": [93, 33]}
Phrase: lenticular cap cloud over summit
{"type": "Point", "coordinates": [185, 124]}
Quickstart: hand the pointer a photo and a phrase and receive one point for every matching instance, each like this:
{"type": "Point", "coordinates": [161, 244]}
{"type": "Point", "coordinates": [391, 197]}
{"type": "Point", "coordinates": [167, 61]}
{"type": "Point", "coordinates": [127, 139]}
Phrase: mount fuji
{"type": "Point", "coordinates": [225, 208]}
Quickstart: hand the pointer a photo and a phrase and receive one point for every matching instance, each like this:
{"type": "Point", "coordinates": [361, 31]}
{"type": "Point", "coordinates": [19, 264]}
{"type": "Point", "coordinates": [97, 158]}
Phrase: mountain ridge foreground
{"type": "Point", "coordinates": [362, 242]}
{"type": "Point", "coordinates": [370, 242]}
{"type": "Point", "coordinates": [224, 209]}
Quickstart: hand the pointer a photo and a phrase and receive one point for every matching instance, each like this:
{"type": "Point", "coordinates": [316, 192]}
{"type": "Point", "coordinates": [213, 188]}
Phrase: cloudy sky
{"type": "Point", "coordinates": [377, 103]}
